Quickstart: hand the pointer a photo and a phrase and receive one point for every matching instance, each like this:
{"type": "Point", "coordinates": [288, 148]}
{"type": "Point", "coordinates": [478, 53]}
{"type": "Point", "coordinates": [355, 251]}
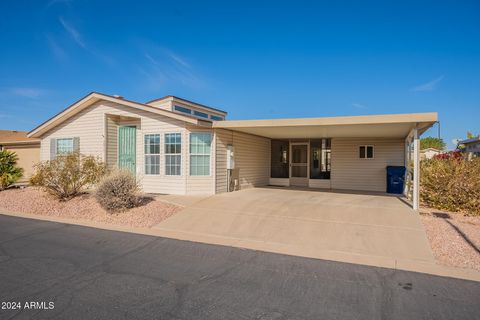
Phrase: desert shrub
{"type": "Point", "coordinates": [118, 191]}
{"type": "Point", "coordinates": [68, 175]}
{"type": "Point", "coordinates": [451, 183]}
{"type": "Point", "coordinates": [9, 171]}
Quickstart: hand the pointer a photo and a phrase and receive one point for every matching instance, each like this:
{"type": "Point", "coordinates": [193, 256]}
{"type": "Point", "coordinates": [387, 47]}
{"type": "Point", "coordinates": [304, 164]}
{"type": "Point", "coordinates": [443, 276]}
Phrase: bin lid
{"type": "Point", "coordinates": [398, 170]}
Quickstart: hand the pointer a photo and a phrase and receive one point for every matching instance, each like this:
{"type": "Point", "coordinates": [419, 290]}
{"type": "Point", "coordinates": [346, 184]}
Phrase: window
{"type": "Point", "coordinates": [216, 118]}
{"type": "Point", "coordinates": [200, 114]}
{"type": "Point", "coordinates": [200, 154]}
{"type": "Point", "coordinates": [64, 146]}
{"type": "Point", "coordinates": [279, 159]}
{"type": "Point", "coordinates": [366, 152]}
{"type": "Point", "coordinates": [183, 109]}
{"type": "Point", "coordinates": [173, 154]}
{"type": "Point", "coordinates": [320, 159]}
{"type": "Point", "coordinates": [152, 154]}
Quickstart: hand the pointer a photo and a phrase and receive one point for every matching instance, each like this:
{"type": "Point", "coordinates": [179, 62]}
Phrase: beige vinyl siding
{"type": "Point", "coordinates": [319, 183]}
{"type": "Point", "coordinates": [352, 173]}
{"type": "Point", "coordinates": [90, 126]}
{"type": "Point", "coordinates": [252, 159]}
{"type": "Point", "coordinates": [222, 139]}
{"type": "Point", "coordinates": [166, 105]}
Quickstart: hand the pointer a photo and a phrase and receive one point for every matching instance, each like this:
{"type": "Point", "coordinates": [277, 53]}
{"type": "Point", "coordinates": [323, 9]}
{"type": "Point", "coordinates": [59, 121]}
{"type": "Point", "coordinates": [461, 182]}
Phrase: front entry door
{"type": "Point", "coordinates": [299, 164]}
{"type": "Point", "coordinates": [127, 137]}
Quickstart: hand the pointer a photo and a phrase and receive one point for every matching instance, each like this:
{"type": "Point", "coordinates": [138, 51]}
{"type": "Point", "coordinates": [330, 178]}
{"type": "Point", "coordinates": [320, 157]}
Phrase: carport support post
{"type": "Point", "coordinates": [416, 170]}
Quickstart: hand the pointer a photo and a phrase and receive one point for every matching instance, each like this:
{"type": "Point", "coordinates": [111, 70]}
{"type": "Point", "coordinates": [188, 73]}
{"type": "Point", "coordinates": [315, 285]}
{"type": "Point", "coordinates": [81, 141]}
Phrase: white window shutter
{"type": "Point", "coordinates": [53, 148]}
{"type": "Point", "coordinates": [76, 144]}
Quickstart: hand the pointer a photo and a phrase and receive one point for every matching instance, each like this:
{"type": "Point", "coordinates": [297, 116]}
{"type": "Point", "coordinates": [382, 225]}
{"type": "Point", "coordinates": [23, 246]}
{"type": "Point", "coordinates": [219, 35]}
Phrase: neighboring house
{"type": "Point", "coordinates": [27, 150]}
{"type": "Point", "coordinates": [429, 153]}
{"type": "Point", "coordinates": [472, 147]}
{"type": "Point", "coordinates": [177, 146]}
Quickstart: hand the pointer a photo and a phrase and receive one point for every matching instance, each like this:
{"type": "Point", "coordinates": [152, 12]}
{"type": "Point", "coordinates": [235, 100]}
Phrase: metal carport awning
{"type": "Point", "coordinates": [375, 126]}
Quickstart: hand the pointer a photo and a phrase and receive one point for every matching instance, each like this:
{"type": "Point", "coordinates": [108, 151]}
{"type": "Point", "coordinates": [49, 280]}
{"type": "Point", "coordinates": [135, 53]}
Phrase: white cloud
{"type": "Point", "coordinates": [179, 60]}
{"type": "Point", "coordinates": [74, 33]}
{"type": "Point", "coordinates": [429, 86]}
{"type": "Point", "coordinates": [167, 66]}
{"type": "Point", "coordinates": [56, 49]}
{"type": "Point", "coordinates": [32, 93]}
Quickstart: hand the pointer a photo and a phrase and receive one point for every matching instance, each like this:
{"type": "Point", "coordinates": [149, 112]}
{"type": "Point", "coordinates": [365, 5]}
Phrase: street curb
{"type": "Point", "coordinates": [419, 266]}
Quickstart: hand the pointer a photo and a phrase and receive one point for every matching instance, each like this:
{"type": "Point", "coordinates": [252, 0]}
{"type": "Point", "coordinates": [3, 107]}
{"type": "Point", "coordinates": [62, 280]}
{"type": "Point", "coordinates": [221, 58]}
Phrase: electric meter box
{"type": "Point", "coordinates": [230, 157]}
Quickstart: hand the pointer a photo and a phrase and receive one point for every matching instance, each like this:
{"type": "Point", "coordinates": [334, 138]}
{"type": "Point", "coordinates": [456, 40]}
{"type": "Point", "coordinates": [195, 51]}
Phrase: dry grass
{"type": "Point", "coordinates": [84, 207]}
{"type": "Point", "coordinates": [454, 238]}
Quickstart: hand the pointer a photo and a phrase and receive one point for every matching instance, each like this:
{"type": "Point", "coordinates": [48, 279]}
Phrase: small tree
{"type": "Point", "coordinates": [9, 171]}
{"type": "Point", "coordinates": [68, 175]}
{"type": "Point", "coordinates": [432, 142]}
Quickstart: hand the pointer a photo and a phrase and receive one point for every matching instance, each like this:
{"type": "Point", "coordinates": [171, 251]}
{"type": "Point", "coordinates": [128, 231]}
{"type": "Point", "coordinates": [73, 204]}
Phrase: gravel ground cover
{"type": "Point", "coordinates": [454, 238]}
{"type": "Point", "coordinates": [84, 207]}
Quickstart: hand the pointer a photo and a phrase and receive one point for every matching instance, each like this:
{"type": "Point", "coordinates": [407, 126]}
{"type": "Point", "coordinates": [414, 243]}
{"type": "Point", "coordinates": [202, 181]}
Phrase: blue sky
{"type": "Point", "coordinates": [255, 59]}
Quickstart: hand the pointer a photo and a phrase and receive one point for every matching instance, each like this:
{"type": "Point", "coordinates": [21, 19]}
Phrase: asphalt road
{"type": "Point", "coordinates": [95, 274]}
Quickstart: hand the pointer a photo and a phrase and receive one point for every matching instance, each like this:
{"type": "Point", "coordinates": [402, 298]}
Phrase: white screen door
{"type": "Point", "coordinates": [299, 164]}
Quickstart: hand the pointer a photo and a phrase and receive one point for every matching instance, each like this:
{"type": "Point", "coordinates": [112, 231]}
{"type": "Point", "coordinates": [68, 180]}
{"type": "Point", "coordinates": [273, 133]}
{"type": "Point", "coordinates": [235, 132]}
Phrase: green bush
{"type": "Point", "coordinates": [9, 172]}
{"type": "Point", "coordinates": [451, 184]}
{"type": "Point", "coordinates": [68, 175]}
{"type": "Point", "coordinates": [118, 191]}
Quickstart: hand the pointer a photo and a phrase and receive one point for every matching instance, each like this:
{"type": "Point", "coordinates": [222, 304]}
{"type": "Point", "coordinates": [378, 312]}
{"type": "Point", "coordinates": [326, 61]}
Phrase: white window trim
{"type": "Point", "coordinates": [152, 154]}
{"type": "Point", "coordinates": [56, 146]}
{"type": "Point", "coordinates": [366, 146]}
{"type": "Point", "coordinates": [165, 154]}
{"type": "Point", "coordinates": [199, 154]}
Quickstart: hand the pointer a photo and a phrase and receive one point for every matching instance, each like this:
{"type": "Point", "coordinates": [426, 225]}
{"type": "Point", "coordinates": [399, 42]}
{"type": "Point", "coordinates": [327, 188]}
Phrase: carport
{"type": "Point", "coordinates": [347, 153]}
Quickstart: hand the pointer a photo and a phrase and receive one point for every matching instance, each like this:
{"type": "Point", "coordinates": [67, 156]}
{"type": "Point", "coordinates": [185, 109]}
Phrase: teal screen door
{"type": "Point", "coordinates": [127, 148]}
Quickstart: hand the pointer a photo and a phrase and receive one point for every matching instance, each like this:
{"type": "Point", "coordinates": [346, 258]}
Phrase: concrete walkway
{"type": "Point", "coordinates": [373, 229]}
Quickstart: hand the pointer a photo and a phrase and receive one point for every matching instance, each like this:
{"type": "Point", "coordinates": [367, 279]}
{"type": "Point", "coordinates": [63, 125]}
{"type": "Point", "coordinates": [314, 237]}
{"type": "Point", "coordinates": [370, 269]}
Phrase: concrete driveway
{"type": "Point", "coordinates": [372, 229]}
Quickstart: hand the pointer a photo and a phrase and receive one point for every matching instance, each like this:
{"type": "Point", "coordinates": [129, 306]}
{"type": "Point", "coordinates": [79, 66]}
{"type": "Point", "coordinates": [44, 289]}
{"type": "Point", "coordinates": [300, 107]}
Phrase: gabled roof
{"type": "Point", "coordinates": [187, 102]}
{"type": "Point", "coordinates": [8, 137]}
{"type": "Point", "coordinates": [94, 97]}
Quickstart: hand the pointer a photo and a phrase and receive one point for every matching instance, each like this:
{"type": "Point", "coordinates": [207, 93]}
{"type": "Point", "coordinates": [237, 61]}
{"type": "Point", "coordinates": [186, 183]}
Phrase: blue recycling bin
{"type": "Point", "coordinates": [395, 179]}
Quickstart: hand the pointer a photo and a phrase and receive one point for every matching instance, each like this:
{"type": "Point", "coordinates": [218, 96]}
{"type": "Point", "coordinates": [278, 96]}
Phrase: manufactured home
{"type": "Point", "coordinates": [177, 146]}
{"type": "Point", "coordinates": [27, 150]}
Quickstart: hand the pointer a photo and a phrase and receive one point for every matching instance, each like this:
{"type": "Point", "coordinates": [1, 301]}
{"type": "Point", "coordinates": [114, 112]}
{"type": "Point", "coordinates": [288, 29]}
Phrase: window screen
{"type": "Point", "coordinates": [64, 146]}
{"type": "Point", "coordinates": [200, 114]}
{"type": "Point", "coordinates": [152, 154]}
{"type": "Point", "coordinates": [365, 152]}
{"type": "Point", "coordinates": [279, 159]}
{"type": "Point", "coordinates": [173, 154]}
{"type": "Point", "coordinates": [216, 118]}
{"type": "Point", "coordinates": [183, 109]}
{"type": "Point", "coordinates": [200, 154]}
{"type": "Point", "coordinates": [320, 159]}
